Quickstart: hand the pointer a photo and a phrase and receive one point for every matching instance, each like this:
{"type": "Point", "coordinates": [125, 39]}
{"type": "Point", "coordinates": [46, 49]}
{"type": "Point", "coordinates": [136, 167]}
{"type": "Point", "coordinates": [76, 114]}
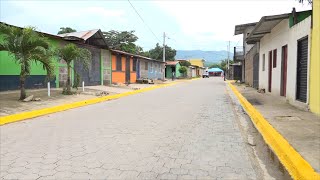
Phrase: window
{"type": "Point", "coordinates": [263, 62]}
{"type": "Point", "coordinates": [134, 66]}
{"type": "Point", "coordinates": [145, 65]}
{"type": "Point", "coordinates": [151, 67]}
{"type": "Point", "coordinates": [119, 63]}
{"type": "Point", "coordinates": [274, 58]}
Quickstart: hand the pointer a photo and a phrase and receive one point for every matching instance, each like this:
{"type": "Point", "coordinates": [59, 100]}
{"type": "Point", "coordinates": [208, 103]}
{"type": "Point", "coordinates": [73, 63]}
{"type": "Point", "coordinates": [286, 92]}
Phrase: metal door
{"type": "Point", "coordinates": [128, 69]}
{"type": "Point", "coordinates": [302, 70]}
{"type": "Point", "coordinates": [237, 73]}
{"type": "Point", "coordinates": [270, 71]}
{"type": "Point", "coordinates": [284, 65]}
{"type": "Point", "coordinates": [256, 71]}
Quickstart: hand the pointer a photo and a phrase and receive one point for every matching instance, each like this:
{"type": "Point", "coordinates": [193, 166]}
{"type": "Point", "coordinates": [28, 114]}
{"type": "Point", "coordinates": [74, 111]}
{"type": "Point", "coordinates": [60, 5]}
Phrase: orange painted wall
{"type": "Point", "coordinates": [120, 76]}
{"type": "Point", "coordinates": [113, 58]}
{"type": "Point", "coordinates": [123, 60]}
{"type": "Point", "coordinates": [133, 77]}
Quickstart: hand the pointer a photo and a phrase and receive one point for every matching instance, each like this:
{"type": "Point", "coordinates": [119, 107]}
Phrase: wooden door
{"type": "Point", "coordinates": [284, 65]}
{"type": "Point", "coordinates": [270, 71]}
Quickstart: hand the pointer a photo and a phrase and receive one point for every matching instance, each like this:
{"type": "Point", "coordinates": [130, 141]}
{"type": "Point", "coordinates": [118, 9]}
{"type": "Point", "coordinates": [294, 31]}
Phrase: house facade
{"type": "Point", "coordinates": [284, 55]}
{"type": "Point", "coordinates": [172, 67]}
{"type": "Point", "coordinates": [10, 71]}
{"type": "Point", "coordinates": [199, 65]}
{"type": "Point", "coordinates": [99, 72]}
{"type": "Point", "coordinates": [151, 69]}
{"type": "Point", "coordinates": [124, 67]}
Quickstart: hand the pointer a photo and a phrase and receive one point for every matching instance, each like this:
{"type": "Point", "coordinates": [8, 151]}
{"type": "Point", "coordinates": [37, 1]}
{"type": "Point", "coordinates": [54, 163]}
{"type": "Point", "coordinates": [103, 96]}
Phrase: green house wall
{"type": "Point", "coordinates": [9, 66]}
{"type": "Point", "coordinates": [10, 69]}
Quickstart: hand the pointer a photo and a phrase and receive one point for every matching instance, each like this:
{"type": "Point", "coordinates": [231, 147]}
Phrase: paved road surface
{"type": "Point", "coordinates": [186, 131]}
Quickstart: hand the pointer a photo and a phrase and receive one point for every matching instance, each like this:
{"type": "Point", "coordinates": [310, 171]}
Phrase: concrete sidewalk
{"type": "Point", "coordinates": [300, 128]}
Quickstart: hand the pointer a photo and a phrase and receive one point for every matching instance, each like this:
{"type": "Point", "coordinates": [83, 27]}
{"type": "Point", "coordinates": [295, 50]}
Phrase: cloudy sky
{"type": "Point", "coordinates": [190, 25]}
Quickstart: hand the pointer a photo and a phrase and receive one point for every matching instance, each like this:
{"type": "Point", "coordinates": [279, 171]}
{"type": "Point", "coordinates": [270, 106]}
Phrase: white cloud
{"type": "Point", "coordinates": [208, 21]}
{"type": "Point", "coordinates": [197, 24]}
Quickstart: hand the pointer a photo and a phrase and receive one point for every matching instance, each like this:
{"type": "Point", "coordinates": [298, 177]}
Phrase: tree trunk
{"type": "Point", "coordinates": [69, 80]}
{"type": "Point", "coordinates": [23, 94]}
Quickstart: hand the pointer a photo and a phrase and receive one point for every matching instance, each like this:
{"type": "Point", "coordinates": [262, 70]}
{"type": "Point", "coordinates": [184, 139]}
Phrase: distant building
{"type": "Point", "coordinates": [172, 68]}
{"type": "Point", "coordinates": [127, 67]}
{"type": "Point", "coordinates": [239, 53]}
{"type": "Point", "coordinates": [199, 65]}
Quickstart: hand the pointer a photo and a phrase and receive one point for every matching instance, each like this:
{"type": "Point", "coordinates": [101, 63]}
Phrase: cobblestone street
{"type": "Point", "coordinates": [185, 131]}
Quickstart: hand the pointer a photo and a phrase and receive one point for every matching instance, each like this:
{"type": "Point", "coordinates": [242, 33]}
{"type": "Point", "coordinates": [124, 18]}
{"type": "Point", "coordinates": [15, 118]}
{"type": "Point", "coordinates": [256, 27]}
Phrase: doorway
{"type": "Point", "coordinates": [128, 69]}
{"type": "Point", "coordinates": [302, 70]}
{"type": "Point", "coordinates": [270, 71]}
{"type": "Point", "coordinates": [284, 65]}
{"type": "Point", "coordinates": [256, 71]}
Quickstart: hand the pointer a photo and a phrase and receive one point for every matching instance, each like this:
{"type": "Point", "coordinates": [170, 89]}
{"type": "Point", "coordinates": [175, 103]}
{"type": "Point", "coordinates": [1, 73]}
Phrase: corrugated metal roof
{"type": "Point", "coordinates": [95, 34]}
{"type": "Point", "coordinates": [134, 55]}
{"type": "Point", "coordinates": [172, 63]}
{"type": "Point", "coordinates": [81, 35]}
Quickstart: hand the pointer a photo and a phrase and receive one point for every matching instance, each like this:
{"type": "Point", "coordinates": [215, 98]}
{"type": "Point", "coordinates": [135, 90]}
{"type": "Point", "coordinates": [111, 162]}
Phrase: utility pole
{"type": "Point", "coordinates": [164, 54]}
{"type": "Point", "coordinates": [164, 47]}
{"type": "Point", "coordinates": [228, 54]}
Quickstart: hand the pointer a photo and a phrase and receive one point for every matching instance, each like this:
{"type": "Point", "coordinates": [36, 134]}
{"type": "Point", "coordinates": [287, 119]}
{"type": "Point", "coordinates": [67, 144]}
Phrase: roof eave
{"type": "Point", "coordinates": [253, 40]}
{"type": "Point", "coordinates": [242, 27]}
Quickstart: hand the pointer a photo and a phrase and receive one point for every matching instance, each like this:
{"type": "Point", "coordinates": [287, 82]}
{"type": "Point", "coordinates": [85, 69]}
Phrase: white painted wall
{"type": "Point", "coordinates": [297, 32]}
{"type": "Point", "coordinates": [282, 35]}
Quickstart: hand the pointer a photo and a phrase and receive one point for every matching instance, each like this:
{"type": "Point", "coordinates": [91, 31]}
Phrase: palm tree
{"type": "Point", "coordinates": [27, 46]}
{"type": "Point", "coordinates": [70, 53]}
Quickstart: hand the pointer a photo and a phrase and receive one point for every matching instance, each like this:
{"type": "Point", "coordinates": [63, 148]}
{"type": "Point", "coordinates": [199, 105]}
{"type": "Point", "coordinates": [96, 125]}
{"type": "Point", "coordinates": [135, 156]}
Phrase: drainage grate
{"type": "Point", "coordinates": [288, 118]}
{"type": "Point", "coordinates": [254, 101]}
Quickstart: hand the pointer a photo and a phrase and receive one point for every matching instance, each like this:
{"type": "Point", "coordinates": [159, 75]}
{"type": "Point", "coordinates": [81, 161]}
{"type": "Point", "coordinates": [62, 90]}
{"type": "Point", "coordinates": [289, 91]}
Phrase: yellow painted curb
{"type": "Point", "coordinates": [297, 167]}
{"type": "Point", "coordinates": [41, 112]}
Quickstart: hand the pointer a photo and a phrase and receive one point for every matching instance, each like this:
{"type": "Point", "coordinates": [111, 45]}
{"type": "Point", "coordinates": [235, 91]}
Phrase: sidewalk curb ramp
{"type": "Point", "coordinates": [40, 112]}
{"type": "Point", "coordinates": [296, 166]}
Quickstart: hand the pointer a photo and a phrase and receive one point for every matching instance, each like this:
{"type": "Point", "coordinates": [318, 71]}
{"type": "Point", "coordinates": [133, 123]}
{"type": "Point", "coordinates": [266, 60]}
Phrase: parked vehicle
{"type": "Point", "coordinates": [205, 74]}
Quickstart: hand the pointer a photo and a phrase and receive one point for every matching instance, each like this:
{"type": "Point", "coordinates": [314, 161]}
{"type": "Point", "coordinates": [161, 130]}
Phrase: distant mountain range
{"type": "Point", "coordinates": [209, 56]}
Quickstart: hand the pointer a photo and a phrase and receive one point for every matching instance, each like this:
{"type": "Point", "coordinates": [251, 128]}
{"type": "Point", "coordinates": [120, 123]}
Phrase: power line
{"type": "Point", "coordinates": [144, 21]}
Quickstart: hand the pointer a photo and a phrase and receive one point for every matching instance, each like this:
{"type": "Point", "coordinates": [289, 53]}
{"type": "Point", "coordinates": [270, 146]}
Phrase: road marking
{"type": "Point", "coordinates": [297, 167]}
{"type": "Point", "coordinates": [40, 112]}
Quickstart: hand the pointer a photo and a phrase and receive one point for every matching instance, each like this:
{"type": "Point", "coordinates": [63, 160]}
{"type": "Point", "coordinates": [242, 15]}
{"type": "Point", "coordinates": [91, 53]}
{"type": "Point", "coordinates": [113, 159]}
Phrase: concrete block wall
{"type": "Point", "coordinates": [249, 65]}
{"type": "Point", "coordinates": [143, 70]}
{"type": "Point", "coordinates": [106, 60]}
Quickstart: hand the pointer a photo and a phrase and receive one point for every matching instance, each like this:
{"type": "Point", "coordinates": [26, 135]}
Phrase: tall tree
{"type": "Point", "coordinates": [70, 53]}
{"type": "Point", "coordinates": [123, 40]}
{"type": "Point", "coordinates": [222, 64]}
{"type": "Point", "coordinates": [66, 30]}
{"type": "Point", "coordinates": [157, 53]}
{"type": "Point", "coordinates": [27, 46]}
{"type": "Point", "coordinates": [185, 63]}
